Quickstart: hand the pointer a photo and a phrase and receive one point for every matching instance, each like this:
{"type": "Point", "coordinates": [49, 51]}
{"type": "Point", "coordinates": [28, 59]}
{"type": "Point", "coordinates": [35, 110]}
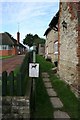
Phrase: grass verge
{"type": "Point", "coordinates": [71, 104]}
{"type": "Point", "coordinates": [69, 100]}
{"type": "Point", "coordinates": [5, 57]}
{"type": "Point", "coordinates": [43, 106]}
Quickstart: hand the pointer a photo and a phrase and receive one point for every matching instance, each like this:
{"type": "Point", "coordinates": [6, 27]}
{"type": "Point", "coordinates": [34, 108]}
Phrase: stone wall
{"type": "Point", "coordinates": [51, 37]}
{"type": "Point", "coordinates": [68, 37]}
{"type": "Point", "coordinates": [15, 108]}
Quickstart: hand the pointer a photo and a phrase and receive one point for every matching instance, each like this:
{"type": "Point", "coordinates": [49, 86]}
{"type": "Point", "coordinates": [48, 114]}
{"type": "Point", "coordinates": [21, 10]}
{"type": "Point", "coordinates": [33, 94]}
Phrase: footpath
{"type": "Point", "coordinates": [55, 100]}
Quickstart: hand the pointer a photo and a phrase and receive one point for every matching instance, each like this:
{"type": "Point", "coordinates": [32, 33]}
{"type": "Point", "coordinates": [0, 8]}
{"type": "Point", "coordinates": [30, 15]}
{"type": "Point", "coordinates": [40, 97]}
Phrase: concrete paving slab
{"type": "Point", "coordinates": [46, 80]}
{"type": "Point", "coordinates": [59, 114]}
{"type": "Point", "coordinates": [51, 92]}
{"type": "Point", "coordinates": [56, 102]}
{"type": "Point", "coordinates": [48, 84]}
{"type": "Point", "coordinates": [45, 75]}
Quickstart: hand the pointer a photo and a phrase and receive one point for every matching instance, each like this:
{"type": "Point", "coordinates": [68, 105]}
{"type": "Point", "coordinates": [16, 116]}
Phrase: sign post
{"type": "Point", "coordinates": [34, 86]}
{"type": "Point", "coordinates": [34, 73]}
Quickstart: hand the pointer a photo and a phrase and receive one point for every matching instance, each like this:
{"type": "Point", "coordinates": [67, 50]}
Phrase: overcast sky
{"type": "Point", "coordinates": [31, 17]}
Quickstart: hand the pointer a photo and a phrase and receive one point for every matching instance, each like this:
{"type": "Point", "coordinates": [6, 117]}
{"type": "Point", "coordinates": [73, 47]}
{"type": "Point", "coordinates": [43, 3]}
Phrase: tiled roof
{"type": "Point", "coordinates": [5, 39]}
{"type": "Point", "coordinates": [15, 41]}
{"type": "Point", "coordinates": [47, 31]}
{"type": "Point", "coordinates": [53, 24]}
{"type": "Point", "coordinates": [54, 21]}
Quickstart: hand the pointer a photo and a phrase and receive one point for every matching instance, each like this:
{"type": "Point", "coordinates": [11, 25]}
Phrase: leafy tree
{"type": "Point", "coordinates": [33, 39]}
{"type": "Point", "coordinates": [28, 40]}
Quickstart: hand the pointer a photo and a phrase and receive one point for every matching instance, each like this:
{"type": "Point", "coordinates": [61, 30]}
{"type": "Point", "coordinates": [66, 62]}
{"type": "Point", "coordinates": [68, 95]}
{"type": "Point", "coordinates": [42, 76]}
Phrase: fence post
{"type": "Point", "coordinates": [4, 83]}
{"type": "Point", "coordinates": [19, 85]}
{"type": "Point", "coordinates": [11, 80]}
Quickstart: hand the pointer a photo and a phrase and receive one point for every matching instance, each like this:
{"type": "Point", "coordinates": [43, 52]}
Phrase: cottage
{"type": "Point", "coordinates": [51, 45]}
{"type": "Point", "coordinates": [69, 43]}
{"type": "Point", "coordinates": [6, 45]}
{"type": "Point", "coordinates": [10, 46]}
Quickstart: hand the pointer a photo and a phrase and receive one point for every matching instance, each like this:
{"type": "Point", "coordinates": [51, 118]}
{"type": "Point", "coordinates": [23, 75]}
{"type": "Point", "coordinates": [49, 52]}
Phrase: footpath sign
{"type": "Point", "coordinates": [33, 70]}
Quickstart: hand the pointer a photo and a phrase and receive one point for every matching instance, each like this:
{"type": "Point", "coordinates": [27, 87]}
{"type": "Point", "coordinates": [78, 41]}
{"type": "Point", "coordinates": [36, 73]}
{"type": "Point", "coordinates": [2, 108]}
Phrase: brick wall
{"type": "Point", "coordinates": [69, 50]}
{"type": "Point", "coordinates": [14, 51]}
{"type": "Point", "coordinates": [8, 52]}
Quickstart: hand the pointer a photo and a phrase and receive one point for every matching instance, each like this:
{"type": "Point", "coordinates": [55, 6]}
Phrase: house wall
{"type": "Point", "coordinates": [14, 51]}
{"type": "Point", "coordinates": [49, 45]}
{"type": "Point", "coordinates": [5, 52]}
{"type": "Point", "coordinates": [8, 52]}
{"type": "Point", "coordinates": [55, 46]}
{"type": "Point", "coordinates": [41, 49]}
{"type": "Point", "coordinates": [51, 38]}
{"type": "Point", "coordinates": [69, 44]}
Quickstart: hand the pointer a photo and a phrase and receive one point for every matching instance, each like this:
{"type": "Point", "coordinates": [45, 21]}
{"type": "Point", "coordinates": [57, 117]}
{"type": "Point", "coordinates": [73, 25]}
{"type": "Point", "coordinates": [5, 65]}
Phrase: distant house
{"type": "Point", "coordinates": [6, 45]}
{"type": "Point", "coordinates": [51, 45]}
{"type": "Point", "coordinates": [69, 43]}
{"type": "Point", "coordinates": [10, 46]}
{"type": "Point", "coordinates": [41, 50]}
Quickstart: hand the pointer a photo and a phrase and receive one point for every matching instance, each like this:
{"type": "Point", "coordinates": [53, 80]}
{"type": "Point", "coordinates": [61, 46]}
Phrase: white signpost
{"type": "Point", "coordinates": [33, 70]}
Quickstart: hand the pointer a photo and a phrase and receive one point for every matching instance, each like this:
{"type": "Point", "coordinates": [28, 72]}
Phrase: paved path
{"type": "Point", "coordinates": [56, 102]}
{"type": "Point", "coordinates": [11, 63]}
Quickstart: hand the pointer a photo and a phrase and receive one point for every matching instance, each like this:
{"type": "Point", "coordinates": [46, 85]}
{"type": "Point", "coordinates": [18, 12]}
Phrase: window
{"type": "Point", "coordinates": [56, 47]}
{"type": "Point", "coordinates": [5, 47]}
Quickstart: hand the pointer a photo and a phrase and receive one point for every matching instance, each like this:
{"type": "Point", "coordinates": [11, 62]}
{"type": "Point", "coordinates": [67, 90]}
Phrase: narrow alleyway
{"type": "Point", "coordinates": [56, 102]}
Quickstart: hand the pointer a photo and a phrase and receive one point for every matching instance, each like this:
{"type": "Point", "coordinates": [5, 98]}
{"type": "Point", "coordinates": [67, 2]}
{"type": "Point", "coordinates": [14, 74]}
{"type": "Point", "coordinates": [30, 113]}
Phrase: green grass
{"type": "Point", "coordinates": [43, 106]}
{"type": "Point", "coordinates": [70, 102]}
{"type": "Point", "coordinates": [5, 57]}
{"type": "Point", "coordinates": [16, 70]}
{"type": "Point", "coordinates": [45, 66]}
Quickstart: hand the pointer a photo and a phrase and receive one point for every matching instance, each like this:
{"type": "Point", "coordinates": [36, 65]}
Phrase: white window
{"type": "Point", "coordinates": [5, 47]}
{"type": "Point", "coordinates": [56, 47]}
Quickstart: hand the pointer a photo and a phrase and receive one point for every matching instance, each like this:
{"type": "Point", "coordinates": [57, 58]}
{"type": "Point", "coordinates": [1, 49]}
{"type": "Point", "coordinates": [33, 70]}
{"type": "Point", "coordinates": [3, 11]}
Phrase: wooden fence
{"type": "Point", "coordinates": [12, 85]}
{"type": "Point", "coordinates": [16, 86]}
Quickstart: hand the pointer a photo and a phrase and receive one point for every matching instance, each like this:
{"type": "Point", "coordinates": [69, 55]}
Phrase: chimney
{"type": "Point", "coordinates": [18, 37]}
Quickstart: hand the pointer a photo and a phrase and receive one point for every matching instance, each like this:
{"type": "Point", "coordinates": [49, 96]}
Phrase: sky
{"type": "Point", "coordinates": [27, 17]}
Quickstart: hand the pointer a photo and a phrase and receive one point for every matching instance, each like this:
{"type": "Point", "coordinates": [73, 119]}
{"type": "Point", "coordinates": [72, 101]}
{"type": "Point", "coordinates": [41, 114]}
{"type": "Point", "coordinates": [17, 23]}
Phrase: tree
{"type": "Point", "coordinates": [28, 40]}
{"type": "Point", "coordinates": [33, 39]}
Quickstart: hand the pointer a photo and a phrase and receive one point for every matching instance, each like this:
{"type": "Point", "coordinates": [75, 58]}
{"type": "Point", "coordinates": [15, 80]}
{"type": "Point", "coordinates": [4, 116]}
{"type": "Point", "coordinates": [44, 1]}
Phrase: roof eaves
{"type": "Point", "coordinates": [47, 31]}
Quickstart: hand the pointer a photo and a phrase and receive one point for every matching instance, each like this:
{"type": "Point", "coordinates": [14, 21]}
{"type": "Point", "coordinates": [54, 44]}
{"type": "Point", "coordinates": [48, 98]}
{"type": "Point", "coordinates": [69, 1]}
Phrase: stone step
{"type": "Point", "coordinates": [48, 84]}
{"type": "Point", "coordinates": [45, 75]}
{"type": "Point", "coordinates": [56, 102]}
{"type": "Point", "coordinates": [51, 92]}
{"type": "Point", "coordinates": [46, 80]}
{"type": "Point", "coordinates": [60, 114]}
